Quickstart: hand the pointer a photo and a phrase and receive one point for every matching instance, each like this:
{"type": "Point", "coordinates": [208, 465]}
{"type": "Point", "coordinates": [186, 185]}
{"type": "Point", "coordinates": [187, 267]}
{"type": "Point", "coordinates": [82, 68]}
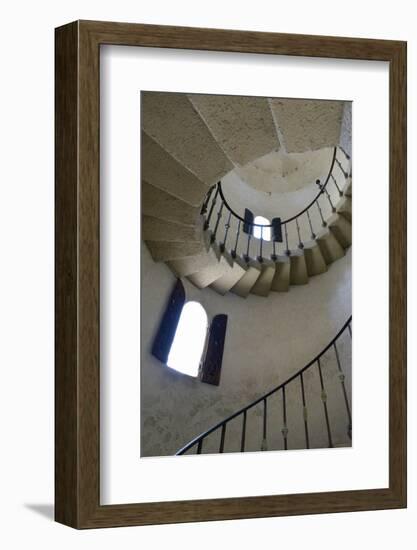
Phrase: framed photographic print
{"type": "Point", "coordinates": [230, 274]}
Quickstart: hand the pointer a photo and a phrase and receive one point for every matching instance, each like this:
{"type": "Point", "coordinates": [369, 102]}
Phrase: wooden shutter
{"type": "Point", "coordinates": [276, 230]}
{"type": "Point", "coordinates": [213, 360]}
{"type": "Point", "coordinates": [168, 325]}
{"type": "Point", "coordinates": [249, 217]}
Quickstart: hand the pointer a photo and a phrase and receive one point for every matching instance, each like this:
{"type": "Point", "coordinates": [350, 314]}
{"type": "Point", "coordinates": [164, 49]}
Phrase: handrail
{"type": "Point", "coordinates": [203, 435]}
{"type": "Point", "coordinates": [322, 188]}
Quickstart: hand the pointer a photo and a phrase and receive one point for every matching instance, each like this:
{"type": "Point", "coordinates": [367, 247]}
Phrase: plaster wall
{"type": "Point", "coordinates": [267, 341]}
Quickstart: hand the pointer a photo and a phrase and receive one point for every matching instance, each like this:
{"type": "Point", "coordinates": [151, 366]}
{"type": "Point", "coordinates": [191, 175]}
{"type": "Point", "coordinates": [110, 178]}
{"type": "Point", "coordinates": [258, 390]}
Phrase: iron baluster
{"type": "Point", "coordinates": [227, 227]}
{"type": "Point", "coordinates": [337, 187]}
{"type": "Point", "coordinates": [330, 201]}
{"type": "Point", "coordinates": [344, 152]}
{"type": "Point", "coordinates": [242, 441]}
{"type": "Point", "coordinates": [313, 235]}
{"type": "Point", "coordinates": [248, 247]}
{"type": "Point", "coordinates": [304, 411]}
{"type": "Point", "coordinates": [324, 401]}
{"type": "Point", "coordinates": [324, 224]}
{"type": "Point", "coordinates": [237, 240]}
{"type": "Point", "coordinates": [300, 243]}
{"type": "Point", "coordinates": [219, 215]}
{"type": "Point", "coordinates": [260, 258]}
{"type": "Point", "coordinates": [200, 446]}
{"type": "Point", "coordinates": [206, 200]}
{"type": "Point", "coordinates": [342, 382]}
{"type": "Point", "coordinates": [213, 204]}
{"type": "Point", "coordinates": [284, 430]}
{"type": "Point", "coordinates": [341, 168]}
{"type": "Point", "coordinates": [287, 251]}
{"type": "Point", "coordinates": [223, 434]}
{"type": "Point", "coordinates": [350, 330]}
{"type": "Point", "coordinates": [274, 254]}
{"type": "Point", "coordinates": [264, 446]}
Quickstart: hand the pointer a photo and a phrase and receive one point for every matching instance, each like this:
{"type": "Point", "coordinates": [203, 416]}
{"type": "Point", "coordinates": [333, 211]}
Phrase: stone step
{"type": "Point", "coordinates": [264, 281]}
{"type": "Point", "coordinates": [341, 229]}
{"type": "Point", "coordinates": [315, 261]}
{"type": "Point", "coordinates": [245, 284]}
{"type": "Point", "coordinates": [281, 280]}
{"type": "Point", "coordinates": [162, 251]}
{"type": "Point", "coordinates": [298, 270]}
{"type": "Point", "coordinates": [347, 189]}
{"type": "Point", "coordinates": [162, 205]}
{"type": "Point", "coordinates": [156, 229]}
{"type": "Point", "coordinates": [344, 208]}
{"type": "Point", "coordinates": [243, 125]}
{"type": "Point", "coordinates": [161, 170]}
{"type": "Point", "coordinates": [330, 247]}
{"type": "Point", "coordinates": [219, 266]}
{"type": "Point", "coordinates": [186, 266]}
{"type": "Point", "coordinates": [231, 276]}
{"type": "Point", "coordinates": [307, 125]}
{"type": "Point", "coordinates": [172, 121]}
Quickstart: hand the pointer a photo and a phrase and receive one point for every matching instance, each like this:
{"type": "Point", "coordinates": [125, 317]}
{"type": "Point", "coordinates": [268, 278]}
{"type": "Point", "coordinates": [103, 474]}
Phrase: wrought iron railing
{"type": "Point", "coordinates": [236, 234]}
{"type": "Point", "coordinates": [320, 394]}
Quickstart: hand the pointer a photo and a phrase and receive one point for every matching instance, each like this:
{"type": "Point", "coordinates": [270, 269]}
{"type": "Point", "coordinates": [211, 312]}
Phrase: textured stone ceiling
{"type": "Point", "coordinates": [280, 172]}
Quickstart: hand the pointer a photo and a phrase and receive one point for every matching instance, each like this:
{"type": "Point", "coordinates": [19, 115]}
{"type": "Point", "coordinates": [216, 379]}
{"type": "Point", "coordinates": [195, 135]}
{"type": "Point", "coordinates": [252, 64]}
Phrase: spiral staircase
{"type": "Point", "coordinates": [188, 144]}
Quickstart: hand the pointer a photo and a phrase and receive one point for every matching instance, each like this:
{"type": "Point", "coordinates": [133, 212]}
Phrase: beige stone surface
{"type": "Point", "coordinates": [162, 251]}
{"type": "Point", "coordinates": [281, 172]}
{"type": "Point", "coordinates": [206, 276]}
{"type": "Point", "coordinates": [264, 281]}
{"type": "Point", "coordinates": [307, 125]}
{"type": "Point", "coordinates": [315, 262]}
{"type": "Point", "coordinates": [243, 287]}
{"type": "Point", "coordinates": [348, 188]}
{"type": "Point", "coordinates": [171, 120]}
{"type": "Point", "coordinates": [243, 126]}
{"type": "Point", "coordinates": [281, 280]}
{"type": "Point", "coordinates": [330, 247]}
{"type": "Point", "coordinates": [162, 170]}
{"type": "Point", "coordinates": [341, 229]}
{"type": "Point", "coordinates": [224, 283]}
{"type": "Point", "coordinates": [298, 272]}
{"type": "Point", "coordinates": [156, 229]}
{"type": "Point", "coordinates": [186, 266]}
{"type": "Point", "coordinates": [344, 208]}
{"type": "Point", "coordinates": [159, 204]}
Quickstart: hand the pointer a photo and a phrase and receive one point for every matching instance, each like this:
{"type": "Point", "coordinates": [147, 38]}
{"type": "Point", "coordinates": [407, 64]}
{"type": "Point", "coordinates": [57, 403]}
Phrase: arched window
{"type": "Point", "coordinates": [259, 232]}
{"type": "Point", "coordinates": [188, 344]}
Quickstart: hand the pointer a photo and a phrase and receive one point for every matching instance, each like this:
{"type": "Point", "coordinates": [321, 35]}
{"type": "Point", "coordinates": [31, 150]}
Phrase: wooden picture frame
{"type": "Point", "coordinates": [77, 409]}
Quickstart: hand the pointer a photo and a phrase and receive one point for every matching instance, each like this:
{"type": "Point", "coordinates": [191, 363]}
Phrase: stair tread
{"type": "Point", "coordinates": [156, 229]}
{"type": "Point", "coordinates": [298, 269]}
{"type": "Point", "coordinates": [315, 262]}
{"type": "Point", "coordinates": [330, 247]}
{"type": "Point", "coordinates": [162, 205]}
{"type": "Point", "coordinates": [162, 251]}
{"type": "Point", "coordinates": [162, 170]}
{"type": "Point", "coordinates": [229, 279]}
{"type": "Point", "coordinates": [186, 266]}
{"type": "Point", "coordinates": [164, 116]}
{"type": "Point", "coordinates": [252, 272]}
{"type": "Point", "coordinates": [281, 280]}
{"type": "Point", "coordinates": [262, 285]}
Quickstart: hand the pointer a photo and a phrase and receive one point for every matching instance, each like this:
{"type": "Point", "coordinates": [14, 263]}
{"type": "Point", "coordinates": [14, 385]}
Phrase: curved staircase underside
{"type": "Point", "coordinates": [188, 144]}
